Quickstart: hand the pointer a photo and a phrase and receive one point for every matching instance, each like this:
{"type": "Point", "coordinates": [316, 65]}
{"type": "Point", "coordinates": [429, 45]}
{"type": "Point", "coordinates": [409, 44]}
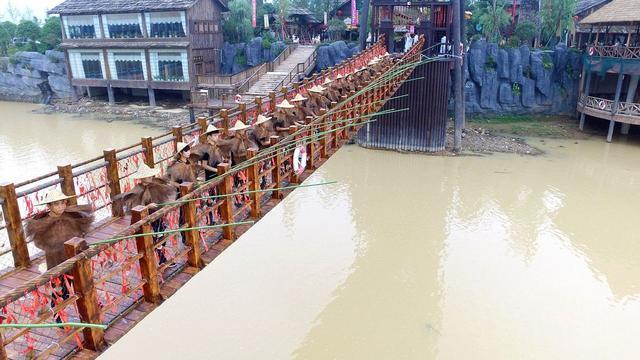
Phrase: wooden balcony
{"type": "Point", "coordinates": [617, 51]}
{"type": "Point", "coordinates": [626, 112]}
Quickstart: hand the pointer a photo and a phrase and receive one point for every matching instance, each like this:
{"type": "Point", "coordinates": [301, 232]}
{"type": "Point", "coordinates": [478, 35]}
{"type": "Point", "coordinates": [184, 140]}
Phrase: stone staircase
{"type": "Point", "coordinates": [269, 81]}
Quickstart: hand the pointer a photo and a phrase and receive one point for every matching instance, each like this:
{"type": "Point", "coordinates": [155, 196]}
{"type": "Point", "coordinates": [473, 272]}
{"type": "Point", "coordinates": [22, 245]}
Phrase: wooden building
{"type": "Point", "coordinates": [423, 17]}
{"type": "Point", "coordinates": [141, 46]}
{"type": "Point", "coordinates": [612, 66]}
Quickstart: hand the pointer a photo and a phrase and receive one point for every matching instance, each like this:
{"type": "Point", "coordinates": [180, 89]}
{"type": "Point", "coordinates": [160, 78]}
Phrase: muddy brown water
{"type": "Point", "coordinates": [33, 143]}
{"type": "Point", "coordinates": [420, 257]}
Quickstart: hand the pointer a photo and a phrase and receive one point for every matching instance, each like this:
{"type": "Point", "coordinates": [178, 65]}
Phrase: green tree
{"type": "Point", "coordinates": [7, 32]}
{"type": "Point", "coordinates": [51, 32]}
{"type": "Point", "coordinates": [237, 27]}
{"type": "Point", "coordinates": [556, 18]}
{"type": "Point", "coordinates": [336, 29]}
{"type": "Point", "coordinates": [492, 18]}
{"type": "Point", "coordinates": [526, 31]}
{"type": "Point", "coordinates": [28, 29]}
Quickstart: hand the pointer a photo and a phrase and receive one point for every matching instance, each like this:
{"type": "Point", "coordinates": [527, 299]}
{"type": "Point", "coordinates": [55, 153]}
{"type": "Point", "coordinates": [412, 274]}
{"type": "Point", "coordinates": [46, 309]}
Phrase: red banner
{"type": "Point", "coordinates": [253, 13]}
{"type": "Point", "coordinates": [354, 13]}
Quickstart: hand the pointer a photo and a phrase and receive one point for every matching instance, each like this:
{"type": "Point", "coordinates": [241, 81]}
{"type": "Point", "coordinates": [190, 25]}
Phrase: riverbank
{"type": "Point", "coordinates": [164, 116]}
{"type": "Point", "coordinates": [508, 133]}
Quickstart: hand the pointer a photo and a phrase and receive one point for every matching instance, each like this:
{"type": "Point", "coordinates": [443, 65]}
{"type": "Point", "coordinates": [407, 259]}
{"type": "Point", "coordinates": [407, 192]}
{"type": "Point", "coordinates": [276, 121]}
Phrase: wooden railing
{"type": "Point", "coordinates": [618, 51]}
{"type": "Point", "coordinates": [105, 281]}
{"type": "Point", "coordinates": [242, 77]}
{"type": "Point", "coordinates": [606, 106]}
{"type": "Point", "coordinates": [299, 71]}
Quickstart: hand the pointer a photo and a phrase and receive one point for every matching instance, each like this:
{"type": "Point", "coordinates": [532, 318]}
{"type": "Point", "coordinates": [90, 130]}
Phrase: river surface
{"type": "Point", "coordinates": [419, 257]}
{"type": "Point", "coordinates": [33, 143]}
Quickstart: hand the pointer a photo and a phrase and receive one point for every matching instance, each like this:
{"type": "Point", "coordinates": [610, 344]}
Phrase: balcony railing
{"type": "Point", "coordinates": [605, 106]}
{"type": "Point", "coordinates": [618, 51]}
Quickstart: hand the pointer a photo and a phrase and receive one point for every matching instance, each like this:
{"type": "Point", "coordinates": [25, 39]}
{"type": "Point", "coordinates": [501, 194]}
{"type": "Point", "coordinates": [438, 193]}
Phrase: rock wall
{"type": "Point", "coordinates": [332, 54]}
{"type": "Point", "coordinates": [253, 53]}
{"type": "Point", "coordinates": [32, 77]}
{"type": "Point", "coordinates": [518, 80]}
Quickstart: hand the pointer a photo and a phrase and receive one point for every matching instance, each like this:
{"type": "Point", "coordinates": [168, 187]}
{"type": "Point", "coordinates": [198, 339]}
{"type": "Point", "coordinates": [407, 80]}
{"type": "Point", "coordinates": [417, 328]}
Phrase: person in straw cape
{"type": "Point", "coordinates": [209, 154]}
{"type": "Point", "coordinates": [300, 110]}
{"type": "Point", "coordinates": [317, 101]}
{"type": "Point", "coordinates": [59, 223]}
{"type": "Point", "coordinates": [238, 142]}
{"type": "Point", "coordinates": [283, 118]}
{"type": "Point", "coordinates": [260, 132]}
{"type": "Point", "coordinates": [51, 228]}
{"type": "Point", "coordinates": [149, 191]}
{"type": "Point", "coordinates": [182, 170]}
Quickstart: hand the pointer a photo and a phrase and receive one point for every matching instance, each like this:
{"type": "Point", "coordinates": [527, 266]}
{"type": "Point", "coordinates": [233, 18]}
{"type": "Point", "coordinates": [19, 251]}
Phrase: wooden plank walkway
{"type": "Point", "coordinates": [17, 277]}
{"type": "Point", "coordinates": [141, 309]}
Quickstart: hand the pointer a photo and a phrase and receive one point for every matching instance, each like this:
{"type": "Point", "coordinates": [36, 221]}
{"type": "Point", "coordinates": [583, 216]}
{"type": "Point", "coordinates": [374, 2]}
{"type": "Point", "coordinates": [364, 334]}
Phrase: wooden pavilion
{"type": "Point", "coordinates": [612, 66]}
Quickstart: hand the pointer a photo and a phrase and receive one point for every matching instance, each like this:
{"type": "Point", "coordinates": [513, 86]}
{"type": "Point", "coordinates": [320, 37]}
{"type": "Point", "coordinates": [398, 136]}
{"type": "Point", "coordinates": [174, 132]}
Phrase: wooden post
{"type": "Point", "coordinates": [284, 91]}
{"type": "Point", "coordinates": [13, 222]}
{"type": "Point", "coordinates": [114, 180]}
{"type": "Point", "coordinates": [147, 145]}
{"type": "Point", "coordinates": [243, 112]}
{"type": "Point", "coordinates": [323, 139]}
{"type": "Point", "coordinates": [272, 101]}
{"type": "Point", "coordinates": [224, 114]}
{"type": "Point", "coordinates": [311, 146]}
{"type": "Point", "coordinates": [254, 185]}
{"type": "Point", "coordinates": [87, 303]}
{"type": "Point", "coordinates": [334, 135]}
{"type": "Point", "coordinates": [226, 187]}
{"type": "Point", "coordinates": [3, 351]}
{"type": "Point", "coordinates": [258, 102]}
{"type": "Point", "coordinates": [275, 175]}
{"type": "Point", "coordinates": [202, 123]}
{"type": "Point", "coordinates": [177, 133]}
{"type": "Point", "coordinates": [192, 236]}
{"type": "Point", "coordinates": [148, 262]}
{"type": "Point", "coordinates": [68, 188]}
{"type": "Point", "coordinates": [586, 95]}
{"type": "Point", "coordinates": [294, 178]}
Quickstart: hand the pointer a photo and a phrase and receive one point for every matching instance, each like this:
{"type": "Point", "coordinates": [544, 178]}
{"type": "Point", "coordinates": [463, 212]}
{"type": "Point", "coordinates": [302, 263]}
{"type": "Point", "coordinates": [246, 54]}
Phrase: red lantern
{"type": "Point", "coordinates": [339, 12]}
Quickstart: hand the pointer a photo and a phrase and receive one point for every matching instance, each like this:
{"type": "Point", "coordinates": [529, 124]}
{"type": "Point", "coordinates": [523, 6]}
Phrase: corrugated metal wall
{"type": "Point", "coordinates": [421, 128]}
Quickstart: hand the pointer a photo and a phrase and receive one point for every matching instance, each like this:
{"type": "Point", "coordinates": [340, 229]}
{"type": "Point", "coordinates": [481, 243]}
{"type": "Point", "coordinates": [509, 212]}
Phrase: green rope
{"type": "Point", "coordinates": [41, 326]}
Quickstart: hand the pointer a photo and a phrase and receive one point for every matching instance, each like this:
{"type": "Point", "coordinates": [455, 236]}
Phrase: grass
{"type": "Point", "coordinates": [525, 125]}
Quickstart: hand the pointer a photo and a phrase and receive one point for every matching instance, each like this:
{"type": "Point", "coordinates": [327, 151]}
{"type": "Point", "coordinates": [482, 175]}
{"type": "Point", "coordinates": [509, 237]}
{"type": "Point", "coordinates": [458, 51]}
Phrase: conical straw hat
{"type": "Point", "coordinates": [144, 171]}
{"type": "Point", "coordinates": [211, 129]}
{"type": "Point", "coordinates": [327, 81]}
{"type": "Point", "coordinates": [285, 105]}
{"type": "Point", "coordinates": [53, 196]}
{"type": "Point", "coordinates": [317, 89]}
{"type": "Point", "coordinates": [239, 125]}
{"type": "Point", "coordinates": [298, 98]}
{"type": "Point", "coordinates": [339, 77]}
{"type": "Point", "coordinates": [180, 147]}
{"type": "Point", "coordinates": [262, 119]}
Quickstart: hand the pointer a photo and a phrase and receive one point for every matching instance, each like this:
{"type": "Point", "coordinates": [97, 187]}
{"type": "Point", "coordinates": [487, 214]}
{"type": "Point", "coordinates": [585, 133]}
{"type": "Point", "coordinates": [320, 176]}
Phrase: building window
{"type": "Point", "coordinates": [128, 65]}
{"type": "Point", "coordinates": [86, 64]}
{"type": "Point", "coordinates": [91, 65]}
{"type": "Point", "coordinates": [165, 24]}
{"type": "Point", "coordinates": [122, 26]}
{"type": "Point", "coordinates": [206, 26]}
{"type": "Point", "coordinates": [169, 65]}
{"type": "Point", "coordinates": [82, 26]}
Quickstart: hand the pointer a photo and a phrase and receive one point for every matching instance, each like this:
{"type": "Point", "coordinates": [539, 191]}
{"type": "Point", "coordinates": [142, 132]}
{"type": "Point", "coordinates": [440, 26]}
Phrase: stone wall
{"type": "Point", "coordinates": [31, 77]}
{"type": "Point", "coordinates": [334, 53]}
{"type": "Point", "coordinates": [253, 53]}
{"type": "Point", "coordinates": [519, 80]}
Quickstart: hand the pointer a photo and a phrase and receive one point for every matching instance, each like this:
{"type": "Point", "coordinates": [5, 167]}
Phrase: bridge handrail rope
{"type": "Point", "coordinates": [107, 279]}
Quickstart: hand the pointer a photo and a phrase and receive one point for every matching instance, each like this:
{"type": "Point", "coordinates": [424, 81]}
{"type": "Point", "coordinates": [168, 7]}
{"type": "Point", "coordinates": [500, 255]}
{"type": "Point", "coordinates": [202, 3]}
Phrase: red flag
{"type": "Point", "coordinates": [354, 13]}
{"type": "Point", "coordinates": [253, 13]}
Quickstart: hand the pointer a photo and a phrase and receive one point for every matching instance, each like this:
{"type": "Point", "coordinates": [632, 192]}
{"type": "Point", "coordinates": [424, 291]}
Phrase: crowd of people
{"type": "Point", "coordinates": [61, 220]}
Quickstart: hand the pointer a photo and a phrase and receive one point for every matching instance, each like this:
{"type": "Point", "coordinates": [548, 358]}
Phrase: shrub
{"type": "Point", "coordinates": [476, 37]}
{"type": "Point", "coordinates": [490, 63]}
{"type": "Point", "coordinates": [547, 62]}
{"type": "Point", "coordinates": [516, 89]}
{"type": "Point", "coordinates": [13, 60]}
{"type": "Point", "coordinates": [514, 41]}
{"type": "Point", "coordinates": [53, 59]}
{"type": "Point", "coordinates": [526, 31]}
